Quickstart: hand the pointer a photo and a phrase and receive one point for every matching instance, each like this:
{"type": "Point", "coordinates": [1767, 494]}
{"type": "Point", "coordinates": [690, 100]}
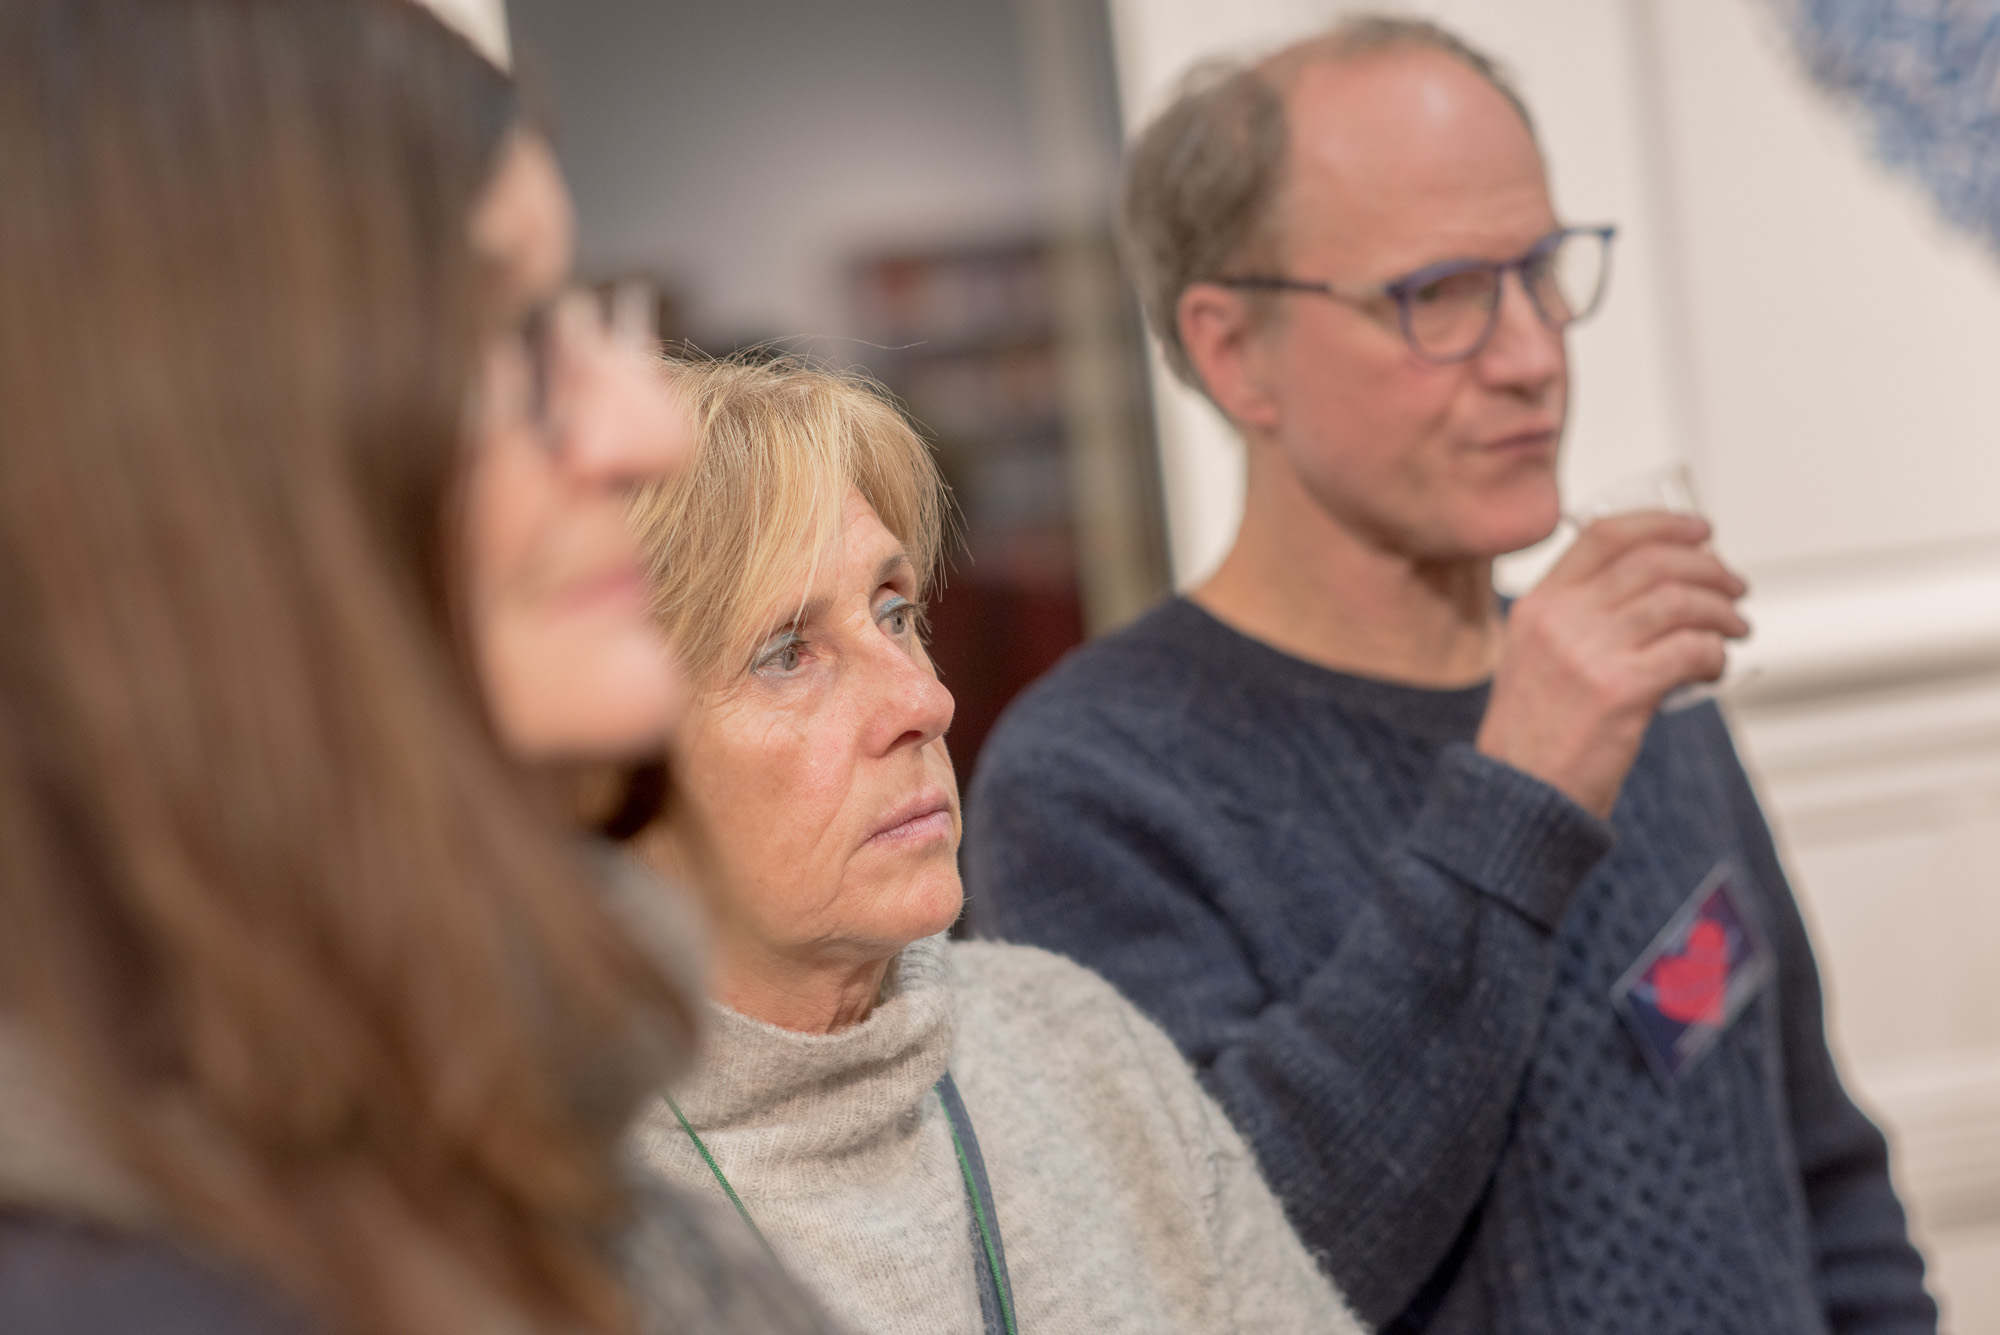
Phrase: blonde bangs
{"type": "Point", "coordinates": [733, 545]}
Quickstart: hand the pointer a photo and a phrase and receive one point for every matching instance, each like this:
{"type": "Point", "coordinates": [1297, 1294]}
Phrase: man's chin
{"type": "Point", "coordinates": [1516, 520]}
{"type": "Point", "coordinates": [1525, 536]}
{"type": "Point", "coordinates": [1493, 533]}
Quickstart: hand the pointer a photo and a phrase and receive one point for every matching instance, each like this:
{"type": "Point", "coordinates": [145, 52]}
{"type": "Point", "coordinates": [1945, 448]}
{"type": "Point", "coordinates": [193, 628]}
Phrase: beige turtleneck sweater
{"type": "Point", "coordinates": [1127, 1203]}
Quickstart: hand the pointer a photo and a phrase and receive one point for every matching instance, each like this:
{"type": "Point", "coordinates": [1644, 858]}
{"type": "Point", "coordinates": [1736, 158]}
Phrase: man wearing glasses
{"type": "Point", "coordinates": [1488, 956]}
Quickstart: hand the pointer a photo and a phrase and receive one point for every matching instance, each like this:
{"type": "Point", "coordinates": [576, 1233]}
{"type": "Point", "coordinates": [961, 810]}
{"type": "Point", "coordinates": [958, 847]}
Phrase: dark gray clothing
{"type": "Point", "coordinates": [1391, 958]}
{"type": "Point", "coordinates": [63, 1278]}
{"type": "Point", "coordinates": [59, 1277]}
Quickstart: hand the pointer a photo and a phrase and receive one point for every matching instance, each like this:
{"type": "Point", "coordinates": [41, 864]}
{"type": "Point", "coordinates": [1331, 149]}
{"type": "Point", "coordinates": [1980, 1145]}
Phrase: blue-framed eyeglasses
{"type": "Point", "coordinates": [1448, 311]}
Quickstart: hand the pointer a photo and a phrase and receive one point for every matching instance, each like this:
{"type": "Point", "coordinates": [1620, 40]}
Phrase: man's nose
{"type": "Point", "coordinates": [1523, 351]}
{"type": "Point", "coordinates": [627, 426]}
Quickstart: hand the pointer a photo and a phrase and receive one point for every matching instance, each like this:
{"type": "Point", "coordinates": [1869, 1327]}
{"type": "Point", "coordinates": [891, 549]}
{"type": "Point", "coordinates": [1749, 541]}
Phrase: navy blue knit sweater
{"type": "Point", "coordinates": [1391, 959]}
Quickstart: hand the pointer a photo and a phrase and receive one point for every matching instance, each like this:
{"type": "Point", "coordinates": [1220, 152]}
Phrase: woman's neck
{"type": "Point", "coordinates": [805, 997]}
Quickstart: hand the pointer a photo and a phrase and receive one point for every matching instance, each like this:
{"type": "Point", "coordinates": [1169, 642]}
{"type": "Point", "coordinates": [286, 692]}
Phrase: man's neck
{"type": "Point", "coordinates": [1309, 586]}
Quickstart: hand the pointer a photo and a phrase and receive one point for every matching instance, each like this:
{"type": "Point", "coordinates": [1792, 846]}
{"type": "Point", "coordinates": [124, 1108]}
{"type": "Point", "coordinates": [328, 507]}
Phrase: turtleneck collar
{"type": "Point", "coordinates": [756, 1075]}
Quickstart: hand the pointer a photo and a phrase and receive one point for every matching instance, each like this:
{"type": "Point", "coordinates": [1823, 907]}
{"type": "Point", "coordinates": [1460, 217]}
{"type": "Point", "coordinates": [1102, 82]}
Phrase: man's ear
{"type": "Point", "coordinates": [1221, 335]}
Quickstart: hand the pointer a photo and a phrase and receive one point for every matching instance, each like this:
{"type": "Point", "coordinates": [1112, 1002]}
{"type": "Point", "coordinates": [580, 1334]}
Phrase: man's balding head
{"type": "Point", "coordinates": [1204, 180]}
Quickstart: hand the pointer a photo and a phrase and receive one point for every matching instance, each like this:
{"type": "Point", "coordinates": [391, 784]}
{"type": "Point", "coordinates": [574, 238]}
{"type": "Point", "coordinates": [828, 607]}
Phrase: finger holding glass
{"type": "Point", "coordinates": [1670, 489]}
{"type": "Point", "coordinates": [1637, 608]}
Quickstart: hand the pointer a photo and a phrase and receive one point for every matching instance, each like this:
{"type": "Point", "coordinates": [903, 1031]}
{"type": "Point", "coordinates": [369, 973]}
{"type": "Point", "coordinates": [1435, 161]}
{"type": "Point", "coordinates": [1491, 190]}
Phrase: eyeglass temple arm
{"type": "Point", "coordinates": [1604, 232]}
{"type": "Point", "coordinates": [1277, 283]}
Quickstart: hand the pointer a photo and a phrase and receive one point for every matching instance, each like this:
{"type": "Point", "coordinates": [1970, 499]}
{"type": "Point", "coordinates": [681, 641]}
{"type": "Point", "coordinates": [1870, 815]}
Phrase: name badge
{"type": "Point", "coordinates": [1695, 978]}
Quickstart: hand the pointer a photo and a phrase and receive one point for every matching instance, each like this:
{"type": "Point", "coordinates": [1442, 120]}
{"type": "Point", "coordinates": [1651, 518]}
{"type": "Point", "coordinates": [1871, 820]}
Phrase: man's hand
{"type": "Point", "coordinates": [1635, 608]}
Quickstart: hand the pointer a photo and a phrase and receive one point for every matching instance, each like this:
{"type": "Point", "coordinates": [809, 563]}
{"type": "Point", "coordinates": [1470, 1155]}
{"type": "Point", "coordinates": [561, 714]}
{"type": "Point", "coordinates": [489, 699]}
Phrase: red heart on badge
{"type": "Point", "coordinates": [1689, 987]}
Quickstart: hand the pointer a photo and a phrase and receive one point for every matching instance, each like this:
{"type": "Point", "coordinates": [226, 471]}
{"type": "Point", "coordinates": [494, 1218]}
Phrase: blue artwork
{"type": "Point", "coordinates": [1926, 74]}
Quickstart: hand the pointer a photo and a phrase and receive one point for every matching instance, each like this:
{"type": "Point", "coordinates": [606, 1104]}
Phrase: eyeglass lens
{"type": "Point", "coordinates": [579, 324]}
{"type": "Point", "coordinates": [1450, 315]}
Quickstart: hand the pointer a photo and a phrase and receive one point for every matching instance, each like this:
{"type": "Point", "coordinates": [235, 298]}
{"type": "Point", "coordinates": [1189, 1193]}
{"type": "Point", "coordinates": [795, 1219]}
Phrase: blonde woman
{"type": "Point", "coordinates": [935, 1136]}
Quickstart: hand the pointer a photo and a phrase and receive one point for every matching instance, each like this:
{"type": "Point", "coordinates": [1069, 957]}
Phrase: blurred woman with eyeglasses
{"type": "Point", "coordinates": [314, 1013]}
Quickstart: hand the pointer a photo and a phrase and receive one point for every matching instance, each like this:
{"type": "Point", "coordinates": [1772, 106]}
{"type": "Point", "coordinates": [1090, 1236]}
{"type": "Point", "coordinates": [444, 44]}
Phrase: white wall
{"type": "Point", "coordinates": [1792, 322]}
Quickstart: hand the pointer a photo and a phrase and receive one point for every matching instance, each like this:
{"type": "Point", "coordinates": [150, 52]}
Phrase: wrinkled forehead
{"type": "Point", "coordinates": [846, 547]}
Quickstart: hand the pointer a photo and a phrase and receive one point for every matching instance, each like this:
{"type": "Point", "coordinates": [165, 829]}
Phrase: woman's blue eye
{"type": "Point", "coordinates": [901, 616]}
{"type": "Point", "coordinates": [781, 653]}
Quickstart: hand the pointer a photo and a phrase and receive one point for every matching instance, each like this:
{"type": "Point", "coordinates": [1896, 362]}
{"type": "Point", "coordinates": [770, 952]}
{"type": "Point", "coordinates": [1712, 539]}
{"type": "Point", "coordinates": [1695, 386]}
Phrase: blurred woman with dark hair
{"type": "Point", "coordinates": [313, 1015]}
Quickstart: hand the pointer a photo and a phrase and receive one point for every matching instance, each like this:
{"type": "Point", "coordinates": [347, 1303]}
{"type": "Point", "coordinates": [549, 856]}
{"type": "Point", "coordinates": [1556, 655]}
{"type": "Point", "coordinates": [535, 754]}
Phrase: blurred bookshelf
{"type": "Point", "coordinates": [1022, 361]}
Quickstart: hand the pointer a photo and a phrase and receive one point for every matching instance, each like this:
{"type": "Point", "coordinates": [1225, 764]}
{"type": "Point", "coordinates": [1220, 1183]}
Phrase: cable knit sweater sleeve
{"type": "Point", "coordinates": [1046, 1042]}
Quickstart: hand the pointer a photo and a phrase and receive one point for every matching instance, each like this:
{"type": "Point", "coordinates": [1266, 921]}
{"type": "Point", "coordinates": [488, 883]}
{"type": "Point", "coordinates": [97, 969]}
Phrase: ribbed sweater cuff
{"type": "Point", "coordinates": [1507, 834]}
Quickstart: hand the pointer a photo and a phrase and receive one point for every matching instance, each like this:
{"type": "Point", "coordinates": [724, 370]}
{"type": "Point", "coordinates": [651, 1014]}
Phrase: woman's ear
{"type": "Point", "coordinates": [1224, 340]}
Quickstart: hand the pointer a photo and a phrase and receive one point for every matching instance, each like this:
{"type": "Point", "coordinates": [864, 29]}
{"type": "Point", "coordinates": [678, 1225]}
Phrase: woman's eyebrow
{"type": "Point", "coordinates": [808, 610]}
{"type": "Point", "coordinates": [891, 565]}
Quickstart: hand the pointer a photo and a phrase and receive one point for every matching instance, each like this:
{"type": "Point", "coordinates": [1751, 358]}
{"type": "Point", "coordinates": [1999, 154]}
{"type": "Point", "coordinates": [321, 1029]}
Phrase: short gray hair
{"type": "Point", "coordinates": [1203, 178]}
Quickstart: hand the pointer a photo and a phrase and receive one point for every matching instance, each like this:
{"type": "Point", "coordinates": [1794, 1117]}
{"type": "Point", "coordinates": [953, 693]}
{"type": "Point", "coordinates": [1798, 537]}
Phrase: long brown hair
{"type": "Point", "coordinates": [323, 975]}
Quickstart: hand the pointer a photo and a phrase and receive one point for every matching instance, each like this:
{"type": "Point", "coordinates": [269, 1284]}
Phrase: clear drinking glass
{"type": "Point", "coordinates": [1670, 488]}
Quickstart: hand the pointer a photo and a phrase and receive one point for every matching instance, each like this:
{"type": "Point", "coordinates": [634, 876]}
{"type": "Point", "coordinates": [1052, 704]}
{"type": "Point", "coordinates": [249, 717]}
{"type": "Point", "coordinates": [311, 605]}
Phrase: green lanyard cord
{"type": "Point", "coordinates": [972, 1198]}
{"type": "Point", "coordinates": [716, 1169]}
{"type": "Point", "coordinates": [985, 1230]}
